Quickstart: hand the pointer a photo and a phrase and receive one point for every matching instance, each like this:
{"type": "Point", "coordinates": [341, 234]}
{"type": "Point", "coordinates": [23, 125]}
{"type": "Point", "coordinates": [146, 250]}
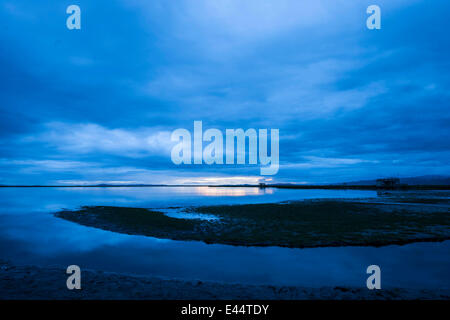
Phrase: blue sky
{"type": "Point", "coordinates": [98, 105]}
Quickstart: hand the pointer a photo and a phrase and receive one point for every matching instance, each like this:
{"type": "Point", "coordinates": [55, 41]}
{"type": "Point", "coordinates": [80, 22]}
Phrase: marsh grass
{"type": "Point", "coordinates": [296, 224]}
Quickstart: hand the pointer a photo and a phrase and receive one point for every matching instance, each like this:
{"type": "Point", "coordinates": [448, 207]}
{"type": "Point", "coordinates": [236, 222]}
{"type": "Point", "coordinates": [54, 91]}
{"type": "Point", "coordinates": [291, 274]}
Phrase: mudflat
{"type": "Point", "coordinates": [309, 223]}
{"type": "Point", "coordinates": [33, 282]}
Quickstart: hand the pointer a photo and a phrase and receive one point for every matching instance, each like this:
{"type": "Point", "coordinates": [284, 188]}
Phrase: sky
{"type": "Point", "coordinates": [99, 104]}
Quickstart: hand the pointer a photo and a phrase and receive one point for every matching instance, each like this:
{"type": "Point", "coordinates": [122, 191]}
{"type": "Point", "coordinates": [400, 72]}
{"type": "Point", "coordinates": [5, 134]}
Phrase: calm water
{"type": "Point", "coordinates": [30, 234]}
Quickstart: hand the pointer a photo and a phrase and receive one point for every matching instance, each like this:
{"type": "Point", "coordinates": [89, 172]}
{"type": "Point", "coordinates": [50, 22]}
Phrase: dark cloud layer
{"type": "Point", "coordinates": [99, 104]}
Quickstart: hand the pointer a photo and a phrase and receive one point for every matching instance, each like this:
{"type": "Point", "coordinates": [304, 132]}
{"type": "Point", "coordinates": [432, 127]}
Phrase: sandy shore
{"type": "Point", "coordinates": [32, 282]}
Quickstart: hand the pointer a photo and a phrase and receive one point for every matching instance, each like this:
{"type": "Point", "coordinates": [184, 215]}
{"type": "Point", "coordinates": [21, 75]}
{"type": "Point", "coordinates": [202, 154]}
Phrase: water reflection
{"type": "Point", "coordinates": [30, 234]}
{"type": "Point", "coordinates": [231, 191]}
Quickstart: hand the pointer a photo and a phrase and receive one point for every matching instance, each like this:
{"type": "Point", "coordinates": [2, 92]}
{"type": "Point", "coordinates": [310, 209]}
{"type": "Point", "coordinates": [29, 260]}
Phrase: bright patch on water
{"type": "Point", "coordinates": [179, 213]}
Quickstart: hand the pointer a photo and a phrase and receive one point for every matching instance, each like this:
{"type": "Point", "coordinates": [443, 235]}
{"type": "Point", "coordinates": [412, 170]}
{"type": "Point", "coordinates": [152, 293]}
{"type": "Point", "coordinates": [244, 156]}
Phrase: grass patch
{"type": "Point", "coordinates": [299, 224]}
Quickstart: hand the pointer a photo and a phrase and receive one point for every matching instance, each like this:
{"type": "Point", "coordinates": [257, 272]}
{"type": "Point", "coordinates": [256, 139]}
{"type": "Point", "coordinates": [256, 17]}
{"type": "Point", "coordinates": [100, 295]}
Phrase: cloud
{"type": "Point", "coordinates": [220, 180]}
{"type": "Point", "coordinates": [46, 165]}
{"type": "Point", "coordinates": [92, 138]}
{"type": "Point", "coordinates": [18, 11]}
{"type": "Point", "coordinates": [99, 104]}
{"type": "Point", "coordinates": [319, 162]}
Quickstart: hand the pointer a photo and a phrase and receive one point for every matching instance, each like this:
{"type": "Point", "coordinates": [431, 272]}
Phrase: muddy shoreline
{"type": "Point", "coordinates": [49, 283]}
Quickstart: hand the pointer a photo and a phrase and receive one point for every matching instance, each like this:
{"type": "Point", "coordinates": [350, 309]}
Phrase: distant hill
{"type": "Point", "coordinates": [420, 180]}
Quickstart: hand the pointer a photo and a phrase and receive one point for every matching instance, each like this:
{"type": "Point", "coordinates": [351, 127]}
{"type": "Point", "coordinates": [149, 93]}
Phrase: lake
{"type": "Point", "coordinates": [30, 234]}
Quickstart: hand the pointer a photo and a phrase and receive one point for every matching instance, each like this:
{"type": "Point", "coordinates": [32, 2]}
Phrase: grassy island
{"type": "Point", "coordinates": [310, 223]}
